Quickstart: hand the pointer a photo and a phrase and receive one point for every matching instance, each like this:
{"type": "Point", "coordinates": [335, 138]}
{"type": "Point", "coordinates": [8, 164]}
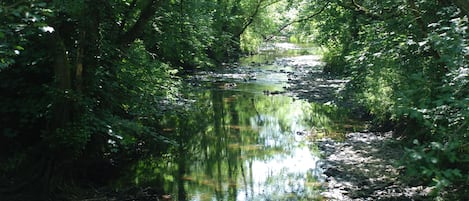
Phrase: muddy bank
{"type": "Point", "coordinates": [365, 167]}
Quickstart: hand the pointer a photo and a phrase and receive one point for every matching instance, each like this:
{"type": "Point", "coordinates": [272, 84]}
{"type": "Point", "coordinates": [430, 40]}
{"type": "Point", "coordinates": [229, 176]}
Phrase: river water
{"type": "Point", "coordinates": [247, 132]}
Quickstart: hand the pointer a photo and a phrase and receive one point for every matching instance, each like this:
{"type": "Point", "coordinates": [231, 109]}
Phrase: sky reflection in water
{"type": "Point", "coordinates": [273, 161]}
{"type": "Point", "coordinates": [241, 143]}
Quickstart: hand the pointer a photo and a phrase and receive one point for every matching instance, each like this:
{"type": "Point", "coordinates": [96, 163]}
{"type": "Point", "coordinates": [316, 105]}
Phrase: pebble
{"type": "Point", "coordinates": [362, 168]}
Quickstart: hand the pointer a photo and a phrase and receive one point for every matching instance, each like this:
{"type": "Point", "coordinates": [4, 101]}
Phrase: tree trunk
{"type": "Point", "coordinates": [135, 31]}
{"type": "Point", "coordinates": [62, 73]}
{"type": "Point", "coordinates": [79, 63]}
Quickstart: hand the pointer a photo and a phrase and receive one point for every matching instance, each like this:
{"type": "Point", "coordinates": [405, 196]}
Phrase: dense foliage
{"type": "Point", "coordinates": [408, 64]}
{"type": "Point", "coordinates": [84, 83]}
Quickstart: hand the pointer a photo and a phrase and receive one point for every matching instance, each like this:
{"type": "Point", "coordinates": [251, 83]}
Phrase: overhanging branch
{"type": "Point", "coordinates": [250, 19]}
{"type": "Point", "coordinates": [309, 17]}
{"type": "Point", "coordinates": [360, 9]}
{"type": "Point", "coordinates": [134, 32]}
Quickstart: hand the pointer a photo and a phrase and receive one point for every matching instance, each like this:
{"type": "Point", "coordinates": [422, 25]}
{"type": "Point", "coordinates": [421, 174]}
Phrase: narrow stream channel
{"type": "Point", "coordinates": [247, 134]}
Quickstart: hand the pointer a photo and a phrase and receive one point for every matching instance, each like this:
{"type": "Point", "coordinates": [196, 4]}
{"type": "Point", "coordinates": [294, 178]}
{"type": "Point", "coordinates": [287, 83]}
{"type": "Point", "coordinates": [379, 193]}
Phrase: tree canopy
{"type": "Point", "coordinates": [85, 82]}
{"type": "Point", "coordinates": [408, 64]}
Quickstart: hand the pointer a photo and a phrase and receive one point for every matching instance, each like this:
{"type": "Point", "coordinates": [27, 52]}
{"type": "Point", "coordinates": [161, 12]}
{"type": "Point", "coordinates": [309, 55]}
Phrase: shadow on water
{"type": "Point", "coordinates": [244, 137]}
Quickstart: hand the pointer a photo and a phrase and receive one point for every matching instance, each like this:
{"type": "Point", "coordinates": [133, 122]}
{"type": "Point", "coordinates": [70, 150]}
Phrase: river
{"type": "Point", "coordinates": [248, 131]}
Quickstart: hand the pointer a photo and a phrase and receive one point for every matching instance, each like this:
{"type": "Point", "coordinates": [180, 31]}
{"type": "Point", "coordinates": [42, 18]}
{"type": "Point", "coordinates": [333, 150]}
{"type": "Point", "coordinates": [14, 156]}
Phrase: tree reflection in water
{"type": "Point", "coordinates": [239, 143]}
{"type": "Point", "coordinates": [235, 145]}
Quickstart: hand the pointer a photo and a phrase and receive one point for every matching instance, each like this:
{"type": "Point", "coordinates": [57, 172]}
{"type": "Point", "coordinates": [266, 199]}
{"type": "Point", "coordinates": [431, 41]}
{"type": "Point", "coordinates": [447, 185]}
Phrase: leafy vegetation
{"type": "Point", "coordinates": [85, 83]}
{"type": "Point", "coordinates": [407, 61]}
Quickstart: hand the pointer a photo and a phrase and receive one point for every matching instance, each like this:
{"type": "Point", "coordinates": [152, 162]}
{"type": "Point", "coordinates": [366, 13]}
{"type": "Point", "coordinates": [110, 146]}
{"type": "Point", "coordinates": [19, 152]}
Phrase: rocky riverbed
{"type": "Point", "coordinates": [365, 167]}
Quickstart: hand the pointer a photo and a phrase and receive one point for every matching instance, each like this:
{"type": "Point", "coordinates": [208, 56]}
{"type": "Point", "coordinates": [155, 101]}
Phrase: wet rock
{"type": "Point", "coordinates": [363, 167]}
{"type": "Point", "coordinates": [308, 81]}
{"type": "Point", "coordinates": [332, 171]}
{"type": "Point", "coordinates": [229, 85]}
{"type": "Point", "coordinates": [267, 92]}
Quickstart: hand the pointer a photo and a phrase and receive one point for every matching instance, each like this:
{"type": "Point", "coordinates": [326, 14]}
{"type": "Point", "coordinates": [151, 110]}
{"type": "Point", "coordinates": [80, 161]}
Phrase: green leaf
{"type": "Point", "coordinates": [19, 47]}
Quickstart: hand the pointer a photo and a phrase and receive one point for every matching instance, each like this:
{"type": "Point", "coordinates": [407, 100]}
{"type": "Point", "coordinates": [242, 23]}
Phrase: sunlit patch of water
{"type": "Point", "coordinates": [246, 137]}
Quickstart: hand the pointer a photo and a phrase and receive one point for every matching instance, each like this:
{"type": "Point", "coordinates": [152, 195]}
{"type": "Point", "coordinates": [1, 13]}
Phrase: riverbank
{"type": "Point", "coordinates": [365, 167]}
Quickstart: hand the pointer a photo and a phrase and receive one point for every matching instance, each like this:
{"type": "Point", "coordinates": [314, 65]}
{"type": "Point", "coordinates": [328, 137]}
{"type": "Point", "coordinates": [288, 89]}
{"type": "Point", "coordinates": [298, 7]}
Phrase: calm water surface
{"type": "Point", "coordinates": [242, 137]}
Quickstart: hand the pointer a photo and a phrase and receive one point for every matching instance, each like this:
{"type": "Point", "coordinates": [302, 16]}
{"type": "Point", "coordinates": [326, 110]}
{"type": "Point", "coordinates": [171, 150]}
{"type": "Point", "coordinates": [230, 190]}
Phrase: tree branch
{"type": "Point", "coordinates": [359, 7]}
{"type": "Point", "coordinates": [271, 3]}
{"type": "Point", "coordinates": [297, 21]}
{"type": "Point", "coordinates": [134, 32]}
{"type": "Point", "coordinates": [361, 10]}
{"type": "Point", "coordinates": [126, 14]}
{"type": "Point", "coordinates": [417, 14]}
{"type": "Point", "coordinates": [250, 19]}
{"type": "Point", "coordinates": [14, 4]}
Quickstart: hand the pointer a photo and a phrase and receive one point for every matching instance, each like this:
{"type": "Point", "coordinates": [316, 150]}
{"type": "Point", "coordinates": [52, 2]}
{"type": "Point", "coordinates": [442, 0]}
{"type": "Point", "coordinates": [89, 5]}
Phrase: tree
{"type": "Point", "coordinates": [62, 86]}
{"type": "Point", "coordinates": [83, 82]}
{"type": "Point", "coordinates": [407, 65]}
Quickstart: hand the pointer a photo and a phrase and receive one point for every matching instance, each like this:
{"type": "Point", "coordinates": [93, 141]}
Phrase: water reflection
{"type": "Point", "coordinates": [237, 142]}
{"type": "Point", "coordinates": [239, 145]}
{"type": "Point", "coordinates": [271, 51]}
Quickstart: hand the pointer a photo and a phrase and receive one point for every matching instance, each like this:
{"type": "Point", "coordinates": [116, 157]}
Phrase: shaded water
{"type": "Point", "coordinates": [243, 137]}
